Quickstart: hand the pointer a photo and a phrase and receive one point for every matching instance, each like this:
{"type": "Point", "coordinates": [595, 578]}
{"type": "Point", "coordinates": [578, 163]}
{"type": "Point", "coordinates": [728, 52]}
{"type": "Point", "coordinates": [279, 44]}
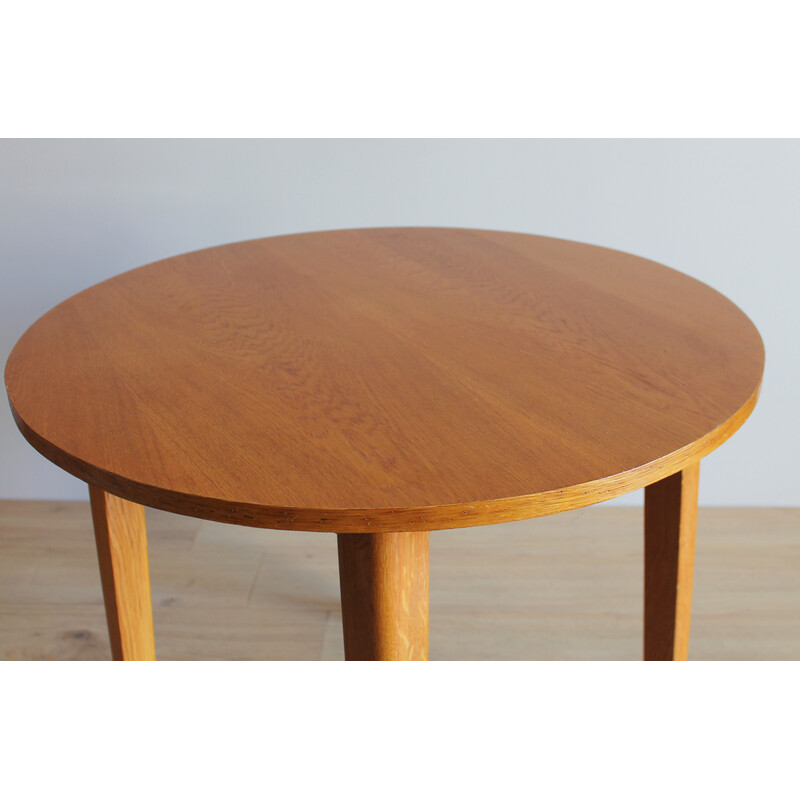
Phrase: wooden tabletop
{"type": "Point", "coordinates": [385, 379]}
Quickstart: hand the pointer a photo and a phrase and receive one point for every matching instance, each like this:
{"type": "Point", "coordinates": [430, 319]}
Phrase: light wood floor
{"type": "Point", "coordinates": [562, 587]}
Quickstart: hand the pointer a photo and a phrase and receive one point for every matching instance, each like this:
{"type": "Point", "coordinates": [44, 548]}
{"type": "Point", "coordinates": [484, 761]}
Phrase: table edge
{"type": "Point", "coordinates": [372, 520]}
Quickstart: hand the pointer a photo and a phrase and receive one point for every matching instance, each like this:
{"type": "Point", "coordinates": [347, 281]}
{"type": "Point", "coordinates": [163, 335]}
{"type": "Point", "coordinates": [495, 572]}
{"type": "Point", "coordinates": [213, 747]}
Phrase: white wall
{"type": "Point", "coordinates": [727, 212]}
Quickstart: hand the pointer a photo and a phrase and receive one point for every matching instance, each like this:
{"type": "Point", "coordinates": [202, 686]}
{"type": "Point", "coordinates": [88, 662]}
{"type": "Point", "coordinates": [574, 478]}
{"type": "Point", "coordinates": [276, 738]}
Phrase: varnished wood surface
{"type": "Point", "coordinates": [670, 524]}
{"type": "Point", "coordinates": [121, 539]}
{"type": "Point", "coordinates": [567, 586]}
{"type": "Point", "coordinates": [384, 580]}
{"type": "Point", "coordinates": [385, 379]}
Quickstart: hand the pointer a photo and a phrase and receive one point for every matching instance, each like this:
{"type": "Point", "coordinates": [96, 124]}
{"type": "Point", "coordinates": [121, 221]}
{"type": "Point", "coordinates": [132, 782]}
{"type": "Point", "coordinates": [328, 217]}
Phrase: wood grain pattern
{"type": "Point", "coordinates": [670, 523]}
{"type": "Point", "coordinates": [385, 379]}
{"type": "Point", "coordinates": [121, 537]}
{"type": "Point", "coordinates": [385, 595]}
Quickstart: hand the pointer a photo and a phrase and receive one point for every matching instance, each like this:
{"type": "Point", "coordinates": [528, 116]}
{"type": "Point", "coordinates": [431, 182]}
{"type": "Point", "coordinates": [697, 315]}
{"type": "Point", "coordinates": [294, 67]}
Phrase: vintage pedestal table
{"type": "Point", "coordinates": [381, 384]}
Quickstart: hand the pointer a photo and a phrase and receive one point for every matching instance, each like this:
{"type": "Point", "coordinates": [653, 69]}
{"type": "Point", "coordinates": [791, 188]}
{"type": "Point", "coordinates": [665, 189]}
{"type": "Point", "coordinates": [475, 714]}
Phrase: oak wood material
{"type": "Point", "coordinates": [385, 379]}
{"type": "Point", "coordinates": [670, 523]}
{"type": "Point", "coordinates": [385, 595]}
{"type": "Point", "coordinates": [121, 538]}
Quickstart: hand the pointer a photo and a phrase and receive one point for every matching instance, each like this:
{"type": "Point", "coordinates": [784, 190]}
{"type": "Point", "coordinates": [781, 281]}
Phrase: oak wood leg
{"type": "Point", "coordinates": [670, 522]}
{"type": "Point", "coordinates": [119, 530]}
{"type": "Point", "coordinates": [385, 588]}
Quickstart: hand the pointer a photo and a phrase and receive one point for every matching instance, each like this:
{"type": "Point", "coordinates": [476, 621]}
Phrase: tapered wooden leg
{"type": "Point", "coordinates": [119, 530]}
{"type": "Point", "coordinates": [670, 521]}
{"type": "Point", "coordinates": [384, 585]}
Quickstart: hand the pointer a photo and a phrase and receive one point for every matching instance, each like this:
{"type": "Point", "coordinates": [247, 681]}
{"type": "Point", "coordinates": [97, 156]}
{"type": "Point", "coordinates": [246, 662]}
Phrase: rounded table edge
{"type": "Point", "coordinates": [428, 518]}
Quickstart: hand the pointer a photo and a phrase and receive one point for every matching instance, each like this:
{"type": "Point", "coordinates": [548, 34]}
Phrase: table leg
{"type": "Point", "coordinates": [119, 530]}
{"type": "Point", "coordinates": [384, 586]}
{"type": "Point", "coordinates": [670, 521]}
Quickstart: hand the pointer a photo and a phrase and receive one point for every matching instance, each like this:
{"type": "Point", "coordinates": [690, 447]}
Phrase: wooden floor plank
{"type": "Point", "coordinates": [562, 587]}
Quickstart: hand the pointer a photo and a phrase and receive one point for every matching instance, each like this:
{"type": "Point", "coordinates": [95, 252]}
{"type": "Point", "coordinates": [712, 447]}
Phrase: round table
{"type": "Point", "coordinates": [381, 384]}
